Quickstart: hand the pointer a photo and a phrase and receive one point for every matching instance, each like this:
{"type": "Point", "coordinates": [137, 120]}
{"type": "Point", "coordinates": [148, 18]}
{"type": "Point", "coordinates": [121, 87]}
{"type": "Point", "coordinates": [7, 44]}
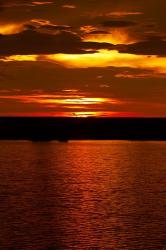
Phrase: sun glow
{"type": "Point", "coordinates": [66, 105]}
{"type": "Point", "coordinates": [86, 114]}
{"type": "Point", "coordinates": [60, 100]}
{"type": "Point", "coordinates": [79, 101]}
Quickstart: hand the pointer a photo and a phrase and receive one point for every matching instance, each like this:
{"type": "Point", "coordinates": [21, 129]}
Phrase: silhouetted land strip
{"type": "Point", "coordinates": [64, 129]}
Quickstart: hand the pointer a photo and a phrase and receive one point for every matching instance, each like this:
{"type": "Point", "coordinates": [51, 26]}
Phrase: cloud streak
{"type": "Point", "coordinates": [118, 23]}
{"type": "Point", "coordinates": [32, 42]}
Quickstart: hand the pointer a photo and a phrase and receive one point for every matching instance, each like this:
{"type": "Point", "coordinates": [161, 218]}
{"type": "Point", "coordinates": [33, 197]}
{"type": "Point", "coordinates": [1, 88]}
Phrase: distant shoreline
{"type": "Point", "coordinates": [64, 129]}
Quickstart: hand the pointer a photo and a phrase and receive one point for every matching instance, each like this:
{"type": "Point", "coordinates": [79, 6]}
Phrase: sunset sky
{"type": "Point", "coordinates": [83, 58]}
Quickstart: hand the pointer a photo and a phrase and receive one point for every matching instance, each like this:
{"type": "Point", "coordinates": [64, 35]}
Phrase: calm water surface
{"type": "Point", "coordinates": [82, 195]}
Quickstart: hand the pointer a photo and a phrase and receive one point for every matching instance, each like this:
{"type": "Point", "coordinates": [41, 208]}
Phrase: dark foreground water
{"type": "Point", "coordinates": [82, 195]}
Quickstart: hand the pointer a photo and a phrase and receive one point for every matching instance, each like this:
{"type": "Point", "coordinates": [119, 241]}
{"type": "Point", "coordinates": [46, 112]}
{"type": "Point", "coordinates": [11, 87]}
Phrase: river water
{"type": "Point", "coordinates": [82, 195]}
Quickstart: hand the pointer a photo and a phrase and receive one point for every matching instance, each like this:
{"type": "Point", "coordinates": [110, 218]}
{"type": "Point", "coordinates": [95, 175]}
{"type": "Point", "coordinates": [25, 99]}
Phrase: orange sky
{"type": "Point", "coordinates": [82, 58]}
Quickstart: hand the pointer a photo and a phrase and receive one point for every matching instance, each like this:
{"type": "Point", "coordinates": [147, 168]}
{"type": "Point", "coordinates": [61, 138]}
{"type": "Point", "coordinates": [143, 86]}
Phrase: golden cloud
{"type": "Point", "coordinates": [106, 58]}
{"type": "Point", "coordinates": [102, 58]}
{"type": "Point", "coordinates": [117, 36]}
{"type": "Point", "coordinates": [11, 28]}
